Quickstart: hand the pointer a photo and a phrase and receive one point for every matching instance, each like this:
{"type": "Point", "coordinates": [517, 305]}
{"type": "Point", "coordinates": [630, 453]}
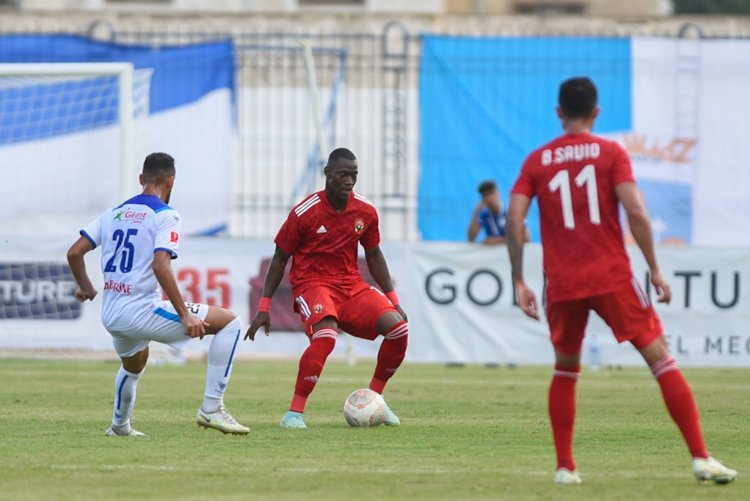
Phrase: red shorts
{"type": "Point", "coordinates": [628, 313]}
{"type": "Point", "coordinates": [355, 309]}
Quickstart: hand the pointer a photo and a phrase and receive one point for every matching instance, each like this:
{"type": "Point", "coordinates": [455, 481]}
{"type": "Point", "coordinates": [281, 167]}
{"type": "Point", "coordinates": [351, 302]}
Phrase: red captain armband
{"type": "Point", "coordinates": [392, 297]}
{"type": "Point", "coordinates": [264, 304]}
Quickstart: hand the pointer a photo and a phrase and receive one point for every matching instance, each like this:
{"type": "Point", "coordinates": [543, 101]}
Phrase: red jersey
{"type": "Point", "coordinates": [323, 242]}
{"type": "Point", "coordinates": [574, 179]}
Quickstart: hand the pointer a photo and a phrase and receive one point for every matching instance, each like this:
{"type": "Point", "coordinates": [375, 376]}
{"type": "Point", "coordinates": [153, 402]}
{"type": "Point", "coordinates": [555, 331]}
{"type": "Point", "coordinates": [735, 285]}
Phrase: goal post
{"type": "Point", "coordinates": [43, 104]}
{"type": "Point", "coordinates": [124, 74]}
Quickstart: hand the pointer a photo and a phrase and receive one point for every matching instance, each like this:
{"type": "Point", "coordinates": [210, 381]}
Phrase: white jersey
{"type": "Point", "coordinates": [129, 235]}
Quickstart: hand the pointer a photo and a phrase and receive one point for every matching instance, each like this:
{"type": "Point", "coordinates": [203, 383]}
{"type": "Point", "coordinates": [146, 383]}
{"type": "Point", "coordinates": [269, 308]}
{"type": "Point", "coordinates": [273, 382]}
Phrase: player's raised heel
{"type": "Point", "coordinates": [220, 420]}
{"type": "Point", "coordinates": [565, 476]}
{"type": "Point", "coordinates": [123, 431]}
{"type": "Point", "coordinates": [390, 418]}
{"type": "Point", "coordinates": [293, 420]}
{"type": "Point", "coordinates": [711, 469]}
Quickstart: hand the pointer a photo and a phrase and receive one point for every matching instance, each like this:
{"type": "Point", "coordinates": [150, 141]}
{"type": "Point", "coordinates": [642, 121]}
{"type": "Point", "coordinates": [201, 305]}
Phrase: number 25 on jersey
{"type": "Point", "coordinates": [122, 239]}
{"type": "Point", "coordinates": [587, 177]}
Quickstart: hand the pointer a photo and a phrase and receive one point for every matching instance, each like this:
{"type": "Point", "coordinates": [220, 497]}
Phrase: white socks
{"type": "Point", "coordinates": [219, 369]}
{"type": "Point", "coordinates": [125, 385]}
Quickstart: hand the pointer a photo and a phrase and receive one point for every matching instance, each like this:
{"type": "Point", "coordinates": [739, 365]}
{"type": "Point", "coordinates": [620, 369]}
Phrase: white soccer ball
{"type": "Point", "coordinates": [364, 408]}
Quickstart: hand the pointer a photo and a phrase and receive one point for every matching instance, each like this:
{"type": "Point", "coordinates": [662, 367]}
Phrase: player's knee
{"type": "Point", "coordinates": [397, 333]}
{"type": "Point", "coordinates": [323, 345]}
{"type": "Point", "coordinates": [326, 323]}
{"type": "Point", "coordinates": [567, 360]}
{"type": "Point", "coordinates": [387, 322]}
{"type": "Point", "coordinates": [653, 349]}
{"type": "Point", "coordinates": [136, 363]}
{"type": "Point", "coordinates": [220, 318]}
{"type": "Point", "coordinates": [235, 323]}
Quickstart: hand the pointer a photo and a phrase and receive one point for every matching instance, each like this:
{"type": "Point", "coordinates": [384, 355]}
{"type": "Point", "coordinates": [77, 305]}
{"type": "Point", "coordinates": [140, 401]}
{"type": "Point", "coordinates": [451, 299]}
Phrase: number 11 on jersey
{"type": "Point", "coordinates": [561, 182]}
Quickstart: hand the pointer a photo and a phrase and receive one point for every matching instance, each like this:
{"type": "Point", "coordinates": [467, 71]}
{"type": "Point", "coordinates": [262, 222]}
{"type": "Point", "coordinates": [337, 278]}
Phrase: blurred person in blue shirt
{"type": "Point", "coordinates": [489, 215]}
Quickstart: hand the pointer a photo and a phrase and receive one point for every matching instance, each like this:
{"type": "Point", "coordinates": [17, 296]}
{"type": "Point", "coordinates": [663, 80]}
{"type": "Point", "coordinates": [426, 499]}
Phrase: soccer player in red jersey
{"type": "Point", "coordinates": [322, 233]}
{"type": "Point", "coordinates": [580, 180]}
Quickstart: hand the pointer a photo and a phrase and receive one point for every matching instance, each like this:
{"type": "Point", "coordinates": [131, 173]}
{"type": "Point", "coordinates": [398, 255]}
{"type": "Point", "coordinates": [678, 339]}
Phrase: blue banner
{"type": "Point", "coordinates": [182, 74]}
{"type": "Point", "coordinates": [64, 130]}
{"type": "Point", "coordinates": [486, 103]}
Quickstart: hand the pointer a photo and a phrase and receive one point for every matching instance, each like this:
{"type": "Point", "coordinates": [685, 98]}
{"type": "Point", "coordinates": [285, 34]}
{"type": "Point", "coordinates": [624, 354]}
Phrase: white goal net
{"type": "Point", "coordinates": [71, 139]}
{"type": "Point", "coordinates": [71, 136]}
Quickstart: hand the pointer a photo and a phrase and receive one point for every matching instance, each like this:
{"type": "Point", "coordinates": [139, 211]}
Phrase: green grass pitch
{"type": "Point", "coordinates": [467, 433]}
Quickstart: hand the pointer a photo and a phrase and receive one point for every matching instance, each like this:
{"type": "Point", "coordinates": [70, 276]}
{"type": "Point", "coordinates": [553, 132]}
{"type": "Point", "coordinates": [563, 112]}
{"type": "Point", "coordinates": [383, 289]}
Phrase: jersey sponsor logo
{"type": "Point", "coordinates": [359, 225]}
{"type": "Point", "coordinates": [322, 229]}
{"type": "Point", "coordinates": [174, 237]}
{"type": "Point", "coordinates": [130, 215]}
{"type": "Point", "coordinates": [38, 291]}
{"type": "Point", "coordinates": [118, 287]}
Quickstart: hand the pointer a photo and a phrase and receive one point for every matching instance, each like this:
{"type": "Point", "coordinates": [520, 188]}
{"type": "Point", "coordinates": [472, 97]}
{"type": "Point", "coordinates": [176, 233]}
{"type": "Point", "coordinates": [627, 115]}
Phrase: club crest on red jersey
{"type": "Point", "coordinates": [359, 225]}
{"type": "Point", "coordinates": [318, 308]}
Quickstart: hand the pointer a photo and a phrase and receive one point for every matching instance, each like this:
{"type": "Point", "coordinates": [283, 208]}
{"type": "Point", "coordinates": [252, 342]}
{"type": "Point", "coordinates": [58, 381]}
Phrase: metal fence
{"type": "Point", "coordinates": [297, 89]}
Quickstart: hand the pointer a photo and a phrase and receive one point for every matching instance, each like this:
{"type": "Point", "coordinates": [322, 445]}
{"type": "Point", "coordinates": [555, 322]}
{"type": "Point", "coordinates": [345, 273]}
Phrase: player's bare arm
{"type": "Point", "coordinates": [162, 266]}
{"type": "Point", "coordinates": [77, 265]}
{"type": "Point", "coordinates": [491, 240]}
{"type": "Point", "coordinates": [379, 270]}
{"type": "Point", "coordinates": [273, 278]}
{"type": "Point", "coordinates": [516, 239]}
{"type": "Point", "coordinates": [640, 227]}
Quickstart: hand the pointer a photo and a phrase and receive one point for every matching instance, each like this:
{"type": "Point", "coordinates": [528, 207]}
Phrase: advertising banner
{"type": "Point", "coordinates": [463, 309]}
{"type": "Point", "coordinates": [459, 299]}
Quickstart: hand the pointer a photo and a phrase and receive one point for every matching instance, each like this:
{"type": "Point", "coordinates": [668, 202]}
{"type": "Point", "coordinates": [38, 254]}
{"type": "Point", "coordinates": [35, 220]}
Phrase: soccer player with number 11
{"type": "Point", "coordinates": [580, 180]}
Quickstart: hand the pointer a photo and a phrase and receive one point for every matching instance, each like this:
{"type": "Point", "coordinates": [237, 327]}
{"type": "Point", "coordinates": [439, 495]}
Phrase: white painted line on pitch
{"type": "Point", "coordinates": [313, 470]}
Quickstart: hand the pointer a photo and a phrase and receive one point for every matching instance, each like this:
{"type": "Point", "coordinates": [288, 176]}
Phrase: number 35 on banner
{"type": "Point", "coordinates": [209, 286]}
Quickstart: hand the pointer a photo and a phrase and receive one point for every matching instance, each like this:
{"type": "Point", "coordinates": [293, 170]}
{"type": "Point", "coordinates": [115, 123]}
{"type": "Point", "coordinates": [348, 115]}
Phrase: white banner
{"type": "Point", "coordinates": [38, 309]}
{"type": "Point", "coordinates": [458, 297]}
{"type": "Point", "coordinates": [461, 304]}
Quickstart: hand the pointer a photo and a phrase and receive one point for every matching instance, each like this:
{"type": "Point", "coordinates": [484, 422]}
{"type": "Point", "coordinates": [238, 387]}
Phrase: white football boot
{"type": "Point", "coordinates": [391, 419]}
{"type": "Point", "coordinates": [565, 476]}
{"type": "Point", "coordinates": [220, 420]}
{"type": "Point", "coordinates": [711, 469]}
{"type": "Point", "coordinates": [124, 430]}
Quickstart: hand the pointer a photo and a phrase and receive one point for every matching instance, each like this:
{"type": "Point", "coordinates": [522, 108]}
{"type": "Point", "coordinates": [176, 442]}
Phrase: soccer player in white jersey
{"type": "Point", "coordinates": [139, 239]}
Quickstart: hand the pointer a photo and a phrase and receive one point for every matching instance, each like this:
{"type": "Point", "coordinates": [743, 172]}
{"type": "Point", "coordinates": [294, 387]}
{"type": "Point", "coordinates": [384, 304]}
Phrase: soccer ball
{"type": "Point", "coordinates": [364, 408]}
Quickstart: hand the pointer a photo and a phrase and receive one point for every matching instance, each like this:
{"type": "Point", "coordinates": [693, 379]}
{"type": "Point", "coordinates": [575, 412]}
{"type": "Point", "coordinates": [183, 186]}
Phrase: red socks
{"type": "Point", "coordinates": [562, 413]}
{"type": "Point", "coordinates": [390, 356]}
{"type": "Point", "coordinates": [311, 366]}
{"type": "Point", "coordinates": [677, 396]}
{"type": "Point", "coordinates": [681, 405]}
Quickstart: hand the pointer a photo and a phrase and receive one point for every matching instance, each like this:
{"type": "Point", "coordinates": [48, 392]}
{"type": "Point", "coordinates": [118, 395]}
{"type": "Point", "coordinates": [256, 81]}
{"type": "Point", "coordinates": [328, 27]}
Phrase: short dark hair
{"type": "Point", "coordinates": [486, 187]}
{"type": "Point", "coordinates": [338, 154]}
{"type": "Point", "coordinates": [578, 97]}
{"type": "Point", "coordinates": [157, 167]}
